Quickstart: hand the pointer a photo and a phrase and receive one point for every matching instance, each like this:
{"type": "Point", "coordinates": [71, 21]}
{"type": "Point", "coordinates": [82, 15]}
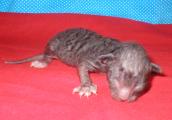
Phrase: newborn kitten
{"type": "Point", "coordinates": [126, 64]}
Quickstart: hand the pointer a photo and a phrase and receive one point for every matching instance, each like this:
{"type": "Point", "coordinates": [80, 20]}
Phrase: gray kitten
{"type": "Point", "coordinates": [126, 64]}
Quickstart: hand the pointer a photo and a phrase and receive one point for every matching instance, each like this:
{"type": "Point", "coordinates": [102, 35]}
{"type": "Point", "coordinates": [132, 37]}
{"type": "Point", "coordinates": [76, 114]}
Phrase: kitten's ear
{"type": "Point", "coordinates": [156, 68]}
{"type": "Point", "coordinates": [104, 59]}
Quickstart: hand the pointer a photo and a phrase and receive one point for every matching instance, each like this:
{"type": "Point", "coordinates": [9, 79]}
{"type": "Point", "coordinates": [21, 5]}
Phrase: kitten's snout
{"type": "Point", "coordinates": [124, 93]}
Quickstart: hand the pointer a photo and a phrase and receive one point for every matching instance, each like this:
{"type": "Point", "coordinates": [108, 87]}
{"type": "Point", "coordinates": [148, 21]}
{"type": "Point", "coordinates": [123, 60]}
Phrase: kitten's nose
{"type": "Point", "coordinates": [124, 93]}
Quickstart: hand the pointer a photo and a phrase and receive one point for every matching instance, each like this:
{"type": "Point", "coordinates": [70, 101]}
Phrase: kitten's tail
{"type": "Point", "coordinates": [29, 59]}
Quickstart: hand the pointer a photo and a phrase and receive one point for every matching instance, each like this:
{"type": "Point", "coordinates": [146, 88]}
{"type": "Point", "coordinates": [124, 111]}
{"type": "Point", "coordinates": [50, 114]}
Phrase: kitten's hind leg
{"type": "Point", "coordinates": [41, 63]}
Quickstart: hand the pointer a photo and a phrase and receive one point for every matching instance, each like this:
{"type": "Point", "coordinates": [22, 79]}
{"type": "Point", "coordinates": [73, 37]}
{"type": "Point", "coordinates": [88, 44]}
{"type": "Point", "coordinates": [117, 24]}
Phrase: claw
{"type": "Point", "coordinates": [85, 90]}
{"type": "Point", "coordinates": [94, 89]}
{"type": "Point", "coordinates": [77, 89]}
{"type": "Point", "coordinates": [81, 94]}
{"type": "Point", "coordinates": [87, 94]}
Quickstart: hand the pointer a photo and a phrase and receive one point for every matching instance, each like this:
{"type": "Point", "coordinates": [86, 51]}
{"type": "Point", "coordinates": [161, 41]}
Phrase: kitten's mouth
{"type": "Point", "coordinates": [130, 99]}
{"type": "Point", "coordinates": [123, 95]}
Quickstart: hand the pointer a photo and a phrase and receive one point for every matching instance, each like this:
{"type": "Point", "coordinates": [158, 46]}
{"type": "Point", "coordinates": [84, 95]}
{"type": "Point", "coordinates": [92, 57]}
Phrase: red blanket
{"type": "Point", "coordinates": [46, 94]}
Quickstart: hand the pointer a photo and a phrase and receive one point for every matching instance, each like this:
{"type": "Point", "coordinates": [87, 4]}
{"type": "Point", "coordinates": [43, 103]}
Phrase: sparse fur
{"type": "Point", "coordinates": [126, 64]}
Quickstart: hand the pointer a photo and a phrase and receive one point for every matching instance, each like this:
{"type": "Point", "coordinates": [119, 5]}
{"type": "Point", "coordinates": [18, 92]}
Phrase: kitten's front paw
{"type": "Point", "coordinates": [85, 90]}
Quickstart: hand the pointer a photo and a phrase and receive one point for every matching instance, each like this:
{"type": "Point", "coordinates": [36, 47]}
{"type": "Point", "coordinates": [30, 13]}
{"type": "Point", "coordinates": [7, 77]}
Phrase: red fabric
{"type": "Point", "coordinates": [46, 94]}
